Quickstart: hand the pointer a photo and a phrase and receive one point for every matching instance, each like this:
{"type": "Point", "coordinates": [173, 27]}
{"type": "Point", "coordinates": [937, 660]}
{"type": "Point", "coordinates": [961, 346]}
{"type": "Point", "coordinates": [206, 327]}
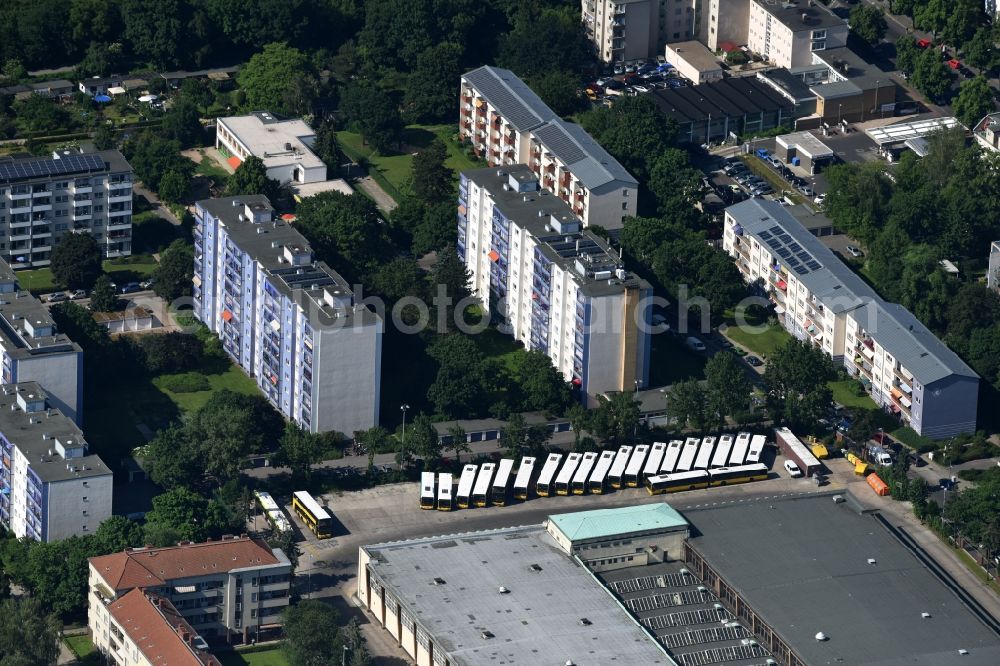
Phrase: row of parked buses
{"type": "Point", "coordinates": [660, 467]}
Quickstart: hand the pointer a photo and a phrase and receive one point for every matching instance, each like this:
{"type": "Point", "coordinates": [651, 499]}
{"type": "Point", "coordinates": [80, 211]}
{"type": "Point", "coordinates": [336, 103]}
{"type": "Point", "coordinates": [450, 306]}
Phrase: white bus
{"type": "Point", "coordinates": [671, 456]}
{"type": "Point", "coordinates": [617, 472]}
{"type": "Point", "coordinates": [654, 460]}
{"type": "Point", "coordinates": [544, 486]}
{"type": "Point", "coordinates": [635, 463]}
{"type": "Point", "coordinates": [522, 483]}
{"type": "Point", "coordinates": [740, 447]}
{"type": "Point", "coordinates": [686, 462]}
{"type": "Point", "coordinates": [501, 484]}
{"type": "Point", "coordinates": [444, 492]}
{"type": "Point", "coordinates": [583, 472]}
{"type": "Point", "coordinates": [465, 483]}
{"type": "Point", "coordinates": [721, 457]}
{"type": "Point", "coordinates": [427, 494]}
{"type": "Point", "coordinates": [704, 458]}
{"type": "Point", "coordinates": [481, 491]}
{"type": "Point", "coordinates": [600, 474]}
{"type": "Point", "coordinates": [272, 511]}
{"type": "Point", "coordinates": [756, 449]}
{"type": "Point", "coordinates": [566, 473]}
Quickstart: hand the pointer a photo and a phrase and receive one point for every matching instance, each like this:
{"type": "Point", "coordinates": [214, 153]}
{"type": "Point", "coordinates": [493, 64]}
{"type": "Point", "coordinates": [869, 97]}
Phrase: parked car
{"type": "Point", "coordinates": [776, 162]}
{"type": "Point", "coordinates": [130, 288]}
{"type": "Point", "coordinates": [619, 69]}
{"type": "Point", "coordinates": [77, 294]}
{"type": "Point", "coordinates": [853, 251]}
{"type": "Point", "coordinates": [695, 344]}
{"type": "Point", "coordinates": [56, 297]}
{"type": "Point", "coordinates": [820, 199]}
{"type": "Point", "coordinates": [630, 69]}
{"type": "Point", "coordinates": [147, 284]}
{"type": "Point", "coordinates": [642, 89]}
{"type": "Point", "coordinates": [792, 469]}
{"type": "Point", "coordinates": [753, 361]}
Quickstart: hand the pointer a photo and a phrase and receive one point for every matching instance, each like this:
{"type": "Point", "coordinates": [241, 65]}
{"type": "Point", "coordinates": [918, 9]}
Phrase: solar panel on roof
{"type": "Point", "coordinates": [764, 235]}
{"type": "Point", "coordinates": [795, 247]}
{"type": "Point", "coordinates": [792, 261]}
{"type": "Point", "coordinates": [774, 243]}
{"type": "Point", "coordinates": [36, 168]}
{"type": "Point", "coordinates": [801, 270]}
{"type": "Point", "coordinates": [784, 253]}
{"type": "Point", "coordinates": [776, 230]}
{"type": "Point", "coordinates": [559, 142]}
{"type": "Point", "coordinates": [804, 256]}
{"type": "Point", "coordinates": [814, 265]}
{"type": "Point", "coordinates": [785, 238]}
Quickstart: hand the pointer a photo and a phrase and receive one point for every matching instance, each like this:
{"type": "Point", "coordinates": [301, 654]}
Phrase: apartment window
{"type": "Point", "coordinates": [624, 205]}
{"type": "Point", "coordinates": [625, 193]}
{"type": "Point", "coordinates": [677, 35]}
{"type": "Point", "coordinates": [818, 46]}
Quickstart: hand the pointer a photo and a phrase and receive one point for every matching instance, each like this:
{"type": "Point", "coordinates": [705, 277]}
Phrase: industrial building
{"type": "Point", "coordinates": [558, 288]}
{"type": "Point", "coordinates": [507, 123]}
{"type": "Point", "coordinates": [289, 321]}
{"type": "Point", "coordinates": [805, 150]}
{"type": "Point", "coordinates": [694, 61]}
{"type": "Point", "coordinates": [906, 368]}
{"type": "Point", "coordinates": [285, 146]}
{"type": "Point", "coordinates": [43, 198]}
{"type": "Point", "coordinates": [51, 487]}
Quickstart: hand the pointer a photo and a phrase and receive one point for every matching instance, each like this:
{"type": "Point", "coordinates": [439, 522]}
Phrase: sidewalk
{"type": "Point", "coordinates": [385, 203]}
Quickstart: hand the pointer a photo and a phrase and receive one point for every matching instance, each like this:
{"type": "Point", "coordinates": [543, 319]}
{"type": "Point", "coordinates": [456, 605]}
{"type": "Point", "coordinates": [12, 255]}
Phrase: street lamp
{"type": "Point", "coordinates": [839, 108]}
{"type": "Point", "coordinates": [403, 408]}
{"type": "Point", "coordinates": [343, 656]}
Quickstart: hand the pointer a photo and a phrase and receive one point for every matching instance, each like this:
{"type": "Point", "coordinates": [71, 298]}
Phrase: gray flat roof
{"type": "Point", "coordinates": [787, 83]}
{"type": "Point", "coordinates": [24, 324]}
{"type": "Point", "coordinates": [35, 434]}
{"type": "Point", "coordinates": [729, 97]}
{"type": "Point", "coordinates": [836, 89]}
{"type": "Point", "coordinates": [537, 622]}
{"type": "Point", "coordinates": [895, 328]}
{"type": "Point", "coordinates": [533, 210]}
{"type": "Point", "coordinates": [696, 54]}
{"type": "Point", "coordinates": [275, 141]}
{"type": "Point", "coordinates": [805, 143]}
{"type": "Point", "coordinates": [802, 563]}
{"type": "Point", "coordinates": [801, 16]}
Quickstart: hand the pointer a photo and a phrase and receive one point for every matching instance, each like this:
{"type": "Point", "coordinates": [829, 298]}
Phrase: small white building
{"type": "Point", "coordinates": [285, 146]}
{"type": "Point", "coordinates": [694, 61]}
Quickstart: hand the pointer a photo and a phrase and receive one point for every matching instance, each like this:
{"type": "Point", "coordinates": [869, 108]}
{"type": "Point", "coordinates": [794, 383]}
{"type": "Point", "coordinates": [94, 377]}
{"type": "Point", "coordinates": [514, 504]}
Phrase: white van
{"type": "Point", "coordinates": [792, 469]}
{"type": "Point", "coordinates": [695, 344]}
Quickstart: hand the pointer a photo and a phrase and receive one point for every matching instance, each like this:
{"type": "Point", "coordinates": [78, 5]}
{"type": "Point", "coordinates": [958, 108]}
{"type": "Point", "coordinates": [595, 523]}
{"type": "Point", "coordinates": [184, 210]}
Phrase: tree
{"type": "Point", "coordinates": [274, 78]}
{"type": "Point", "coordinates": [181, 510]}
{"type": "Point", "coordinates": [251, 177]}
{"type": "Point", "coordinates": [560, 90]}
{"type": "Point", "coordinates": [432, 179]}
{"type": "Point", "coordinates": [105, 137]}
{"type": "Point", "coordinates": [40, 115]}
{"type": "Point", "coordinates": [327, 147]}
{"type": "Point", "coordinates": [310, 635]}
{"type": "Point", "coordinates": [229, 427]}
{"type": "Point", "coordinates": [451, 275]}
{"type": "Point", "coordinates": [155, 30]}
{"type": "Point", "coordinates": [347, 231]}
{"type": "Point", "coordinates": [28, 635]}
{"type": "Point", "coordinates": [152, 157]}
{"type": "Point", "coordinates": [172, 276]}
{"type": "Point", "coordinates": [931, 75]}
{"type": "Point", "coordinates": [169, 352]}
{"type": "Point", "coordinates": [687, 404]}
{"type": "Point", "coordinates": [458, 389]}
{"type": "Point", "coordinates": [536, 384]}
{"type": "Point", "coordinates": [633, 130]}
{"type": "Point", "coordinates": [565, 42]}
{"type": "Point", "coordinates": [436, 228]}
{"type": "Point", "coordinates": [979, 51]}
{"type": "Point", "coordinates": [182, 123]}
{"type": "Point", "coordinates": [173, 187]}
{"type": "Point", "coordinates": [728, 386]}
{"type": "Point", "coordinates": [796, 378]}
{"type": "Point", "coordinates": [117, 533]}
{"type": "Point", "coordinates": [907, 53]}
{"type": "Point", "coordinates": [617, 417]}
{"type": "Point", "coordinates": [14, 70]}
{"type": "Point", "coordinates": [431, 94]}
{"type": "Point", "coordinates": [299, 451]}
{"type": "Point", "coordinates": [974, 101]}
{"type": "Point", "coordinates": [675, 183]}
{"type": "Point", "coordinates": [423, 439]}
{"type": "Point", "coordinates": [459, 442]}
{"type": "Point", "coordinates": [76, 261]}
{"type": "Point", "coordinates": [249, 23]}
{"type": "Point", "coordinates": [286, 542]}
{"type": "Point", "coordinates": [103, 298]}
{"type": "Point", "coordinates": [517, 438]}
{"type": "Point", "coordinates": [374, 113]}
{"type": "Point", "coordinates": [964, 18]}
{"type": "Point", "coordinates": [868, 23]}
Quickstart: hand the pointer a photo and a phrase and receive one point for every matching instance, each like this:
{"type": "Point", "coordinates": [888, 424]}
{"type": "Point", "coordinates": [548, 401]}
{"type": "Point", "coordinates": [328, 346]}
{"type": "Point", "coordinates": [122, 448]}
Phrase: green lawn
{"type": "Point", "coordinates": [762, 343]}
{"type": "Point", "coordinates": [208, 167]}
{"type": "Point", "coordinates": [121, 270]}
{"type": "Point", "coordinates": [232, 379]}
{"type": "Point", "coordinates": [84, 649]}
{"type": "Point", "coordinates": [496, 345]}
{"type": "Point", "coordinates": [844, 393]}
{"type": "Point", "coordinates": [272, 657]}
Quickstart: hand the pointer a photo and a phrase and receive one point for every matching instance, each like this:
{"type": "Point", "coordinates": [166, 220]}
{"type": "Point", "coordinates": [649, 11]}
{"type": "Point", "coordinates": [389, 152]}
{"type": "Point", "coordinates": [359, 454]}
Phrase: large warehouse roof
{"type": "Point", "coordinates": [510, 596]}
{"type": "Point", "coordinates": [599, 523]}
{"type": "Point", "coordinates": [732, 97]}
{"type": "Point", "coordinates": [809, 565]}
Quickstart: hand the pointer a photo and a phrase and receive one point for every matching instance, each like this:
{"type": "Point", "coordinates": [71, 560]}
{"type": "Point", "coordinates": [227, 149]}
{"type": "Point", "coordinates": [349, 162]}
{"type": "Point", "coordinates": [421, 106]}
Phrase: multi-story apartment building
{"type": "Point", "coordinates": [993, 269]}
{"type": "Point", "coordinates": [33, 350]}
{"type": "Point", "coordinates": [228, 590]}
{"type": "Point", "coordinates": [144, 629]}
{"type": "Point", "coordinates": [43, 198]}
{"type": "Point", "coordinates": [508, 124]}
{"type": "Point", "coordinates": [289, 321]}
{"type": "Point", "coordinates": [905, 368]}
{"type": "Point", "coordinates": [557, 287]}
{"type": "Point", "coordinates": [50, 487]}
{"type": "Point", "coordinates": [788, 33]}
{"type": "Point", "coordinates": [623, 30]}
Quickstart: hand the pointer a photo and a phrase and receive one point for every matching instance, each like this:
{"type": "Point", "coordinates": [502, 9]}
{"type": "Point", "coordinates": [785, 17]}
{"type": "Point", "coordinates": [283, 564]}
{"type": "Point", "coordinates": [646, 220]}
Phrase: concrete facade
{"type": "Point", "coordinates": [787, 34]}
{"type": "Point", "coordinates": [694, 61]}
{"type": "Point", "coordinates": [41, 199]}
{"type": "Point", "coordinates": [557, 287]}
{"type": "Point", "coordinates": [51, 488]}
{"type": "Point", "coordinates": [285, 146]}
{"type": "Point", "coordinates": [289, 321]}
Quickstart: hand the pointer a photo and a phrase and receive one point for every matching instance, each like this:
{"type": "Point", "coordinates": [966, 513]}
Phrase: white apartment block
{"type": "Point", "coordinates": [43, 198]}
{"type": "Point", "coordinates": [629, 30]}
{"type": "Point", "coordinates": [506, 123]}
{"type": "Point", "coordinates": [50, 488]}
{"type": "Point", "coordinates": [285, 146]}
{"type": "Point", "coordinates": [905, 368]}
{"type": "Point", "coordinates": [558, 288]}
{"type": "Point", "coordinates": [724, 21]}
{"type": "Point", "coordinates": [229, 590]}
{"type": "Point", "coordinates": [289, 321]}
{"type": "Point", "coordinates": [993, 268]}
{"type": "Point", "coordinates": [788, 33]}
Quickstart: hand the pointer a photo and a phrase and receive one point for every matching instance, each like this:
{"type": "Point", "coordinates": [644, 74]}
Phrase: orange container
{"type": "Point", "coordinates": [878, 485]}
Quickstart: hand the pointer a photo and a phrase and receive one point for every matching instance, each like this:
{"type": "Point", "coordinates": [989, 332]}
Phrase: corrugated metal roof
{"type": "Point", "coordinates": [623, 520]}
{"type": "Point", "coordinates": [511, 97]}
{"type": "Point", "coordinates": [892, 325]}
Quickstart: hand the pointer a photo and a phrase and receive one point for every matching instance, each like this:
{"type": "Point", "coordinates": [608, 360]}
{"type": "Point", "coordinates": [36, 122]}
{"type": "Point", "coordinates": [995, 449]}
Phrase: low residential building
{"type": "Point", "coordinates": [100, 85]}
{"type": "Point", "coordinates": [125, 321]}
{"type": "Point", "coordinates": [694, 61]}
{"type": "Point", "coordinates": [59, 89]}
{"type": "Point", "coordinates": [289, 321]}
{"type": "Point", "coordinates": [993, 271]}
{"type": "Point", "coordinates": [145, 629]}
{"type": "Point", "coordinates": [51, 488]}
{"type": "Point", "coordinates": [788, 33]}
{"type": "Point", "coordinates": [722, 109]}
{"type": "Point", "coordinates": [905, 368]}
{"type": "Point", "coordinates": [506, 123]}
{"type": "Point", "coordinates": [71, 192]}
{"type": "Point", "coordinates": [560, 288]}
{"type": "Point", "coordinates": [33, 350]}
{"type": "Point", "coordinates": [285, 146]}
{"type": "Point", "coordinates": [230, 590]}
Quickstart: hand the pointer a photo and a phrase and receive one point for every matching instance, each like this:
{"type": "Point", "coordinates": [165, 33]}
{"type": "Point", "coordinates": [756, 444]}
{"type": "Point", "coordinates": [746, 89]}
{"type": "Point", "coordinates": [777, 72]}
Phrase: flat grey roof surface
{"type": "Point", "coordinates": [696, 54]}
{"type": "Point", "coordinates": [791, 14]}
{"type": "Point", "coordinates": [537, 622]}
{"type": "Point", "coordinates": [807, 144]}
{"type": "Point", "coordinates": [784, 80]}
{"type": "Point", "coordinates": [802, 564]}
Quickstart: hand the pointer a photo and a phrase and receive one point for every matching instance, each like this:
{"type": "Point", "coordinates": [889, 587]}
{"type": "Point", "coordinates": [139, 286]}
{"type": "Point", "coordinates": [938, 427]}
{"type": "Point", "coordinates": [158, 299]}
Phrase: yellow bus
{"type": "Point", "coordinates": [726, 476]}
{"type": "Point", "coordinates": [675, 483]}
{"type": "Point", "coordinates": [312, 514]}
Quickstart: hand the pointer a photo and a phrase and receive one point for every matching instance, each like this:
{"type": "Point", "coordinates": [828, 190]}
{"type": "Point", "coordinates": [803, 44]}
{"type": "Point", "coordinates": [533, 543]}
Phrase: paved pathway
{"type": "Point", "coordinates": [159, 208]}
{"type": "Point", "coordinates": [382, 199]}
